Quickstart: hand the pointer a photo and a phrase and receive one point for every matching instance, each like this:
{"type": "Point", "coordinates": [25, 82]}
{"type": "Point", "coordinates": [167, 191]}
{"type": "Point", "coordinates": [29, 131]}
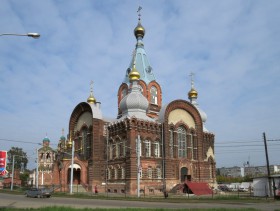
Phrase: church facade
{"type": "Point", "coordinates": [148, 147]}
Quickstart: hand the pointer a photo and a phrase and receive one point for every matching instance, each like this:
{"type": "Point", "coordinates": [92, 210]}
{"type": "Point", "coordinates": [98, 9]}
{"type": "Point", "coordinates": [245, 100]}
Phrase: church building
{"type": "Point", "coordinates": [147, 148]}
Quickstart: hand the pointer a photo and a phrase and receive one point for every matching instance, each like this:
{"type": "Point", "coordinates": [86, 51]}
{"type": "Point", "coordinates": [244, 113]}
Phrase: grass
{"type": "Point", "coordinates": [118, 209]}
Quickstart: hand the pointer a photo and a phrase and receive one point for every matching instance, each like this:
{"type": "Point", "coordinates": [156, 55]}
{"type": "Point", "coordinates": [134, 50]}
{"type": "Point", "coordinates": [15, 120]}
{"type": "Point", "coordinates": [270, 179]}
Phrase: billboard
{"type": "Point", "coordinates": [3, 162]}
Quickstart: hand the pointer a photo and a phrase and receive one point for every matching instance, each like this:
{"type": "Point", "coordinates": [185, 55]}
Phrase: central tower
{"type": "Point", "coordinates": [147, 81]}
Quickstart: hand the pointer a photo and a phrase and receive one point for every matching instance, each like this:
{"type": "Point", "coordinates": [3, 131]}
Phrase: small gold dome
{"type": "Point", "coordinates": [91, 99]}
{"type": "Point", "coordinates": [192, 93]}
{"type": "Point", "coordinates": [134, 74]}
{"type": "Point", "coordinates": [139, 31]}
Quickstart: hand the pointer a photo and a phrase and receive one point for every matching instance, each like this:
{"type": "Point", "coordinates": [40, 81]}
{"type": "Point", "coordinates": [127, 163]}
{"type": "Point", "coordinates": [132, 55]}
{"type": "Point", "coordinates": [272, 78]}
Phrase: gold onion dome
{"type": "Point", "coordinates": [192, 93]}
{"type": "Point", "coordinates": [134, 74]}
{"type": "Point", "coordinates": [139, 31]}
{"type": "Point", "coordinates": [91, 99]}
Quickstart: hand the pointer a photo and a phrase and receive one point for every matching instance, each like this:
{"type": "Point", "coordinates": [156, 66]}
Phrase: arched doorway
{"type": "Point", "coordinates": [76, 174]}
{"type": "Point", "coordinates": [184, 174]}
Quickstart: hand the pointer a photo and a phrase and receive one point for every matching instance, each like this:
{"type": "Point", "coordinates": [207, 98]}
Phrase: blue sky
{"type": "Point", "coordinates": [232, 47]}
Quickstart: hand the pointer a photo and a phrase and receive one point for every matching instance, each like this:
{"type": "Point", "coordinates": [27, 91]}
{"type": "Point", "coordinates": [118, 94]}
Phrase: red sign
{"type": "Point", "coordinates": [3, 162]}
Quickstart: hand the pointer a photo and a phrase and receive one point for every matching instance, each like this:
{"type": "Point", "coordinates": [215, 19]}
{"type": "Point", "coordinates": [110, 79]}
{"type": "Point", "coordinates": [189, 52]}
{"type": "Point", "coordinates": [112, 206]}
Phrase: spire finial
{"type": "Point", "coordinates": [192, 81]}
{"type": "Point", "coordinates": [91, 98]}
{"type": "Point", "coordinates": [62, 131]}
{"type": "Point", "coordinates": [139, 31]}
{"type": "Point", "coordinates": [192, 93]}
{"type": "Point", "coordinates": [139, 14]}
{"type": "Point", "coordinates": [91, 86]}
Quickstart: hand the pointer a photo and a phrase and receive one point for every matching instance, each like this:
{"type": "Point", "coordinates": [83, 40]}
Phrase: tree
{"type": "Point", "coordinates": [21, 159]}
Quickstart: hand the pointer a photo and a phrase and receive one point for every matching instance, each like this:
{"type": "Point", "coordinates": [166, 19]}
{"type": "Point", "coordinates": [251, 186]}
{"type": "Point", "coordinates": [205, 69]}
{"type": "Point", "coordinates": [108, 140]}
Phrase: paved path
{"type": "Point", "coordinates": [20, 201]}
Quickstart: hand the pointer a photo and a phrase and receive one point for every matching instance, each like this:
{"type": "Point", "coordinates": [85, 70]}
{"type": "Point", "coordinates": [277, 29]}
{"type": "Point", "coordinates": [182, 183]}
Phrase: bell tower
{"type": "Point", "coordinates": [147, 81]}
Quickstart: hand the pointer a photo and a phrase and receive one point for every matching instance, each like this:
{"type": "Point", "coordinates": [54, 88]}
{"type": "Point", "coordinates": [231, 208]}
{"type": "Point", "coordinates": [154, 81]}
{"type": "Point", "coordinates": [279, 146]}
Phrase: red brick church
{"type": "Point", "coordinates": [148, 147]}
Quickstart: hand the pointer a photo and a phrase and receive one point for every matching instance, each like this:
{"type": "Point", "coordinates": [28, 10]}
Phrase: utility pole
{"type": "Point", "coordinates": [13, 172]}
{"type": "Point", "coordinates": [107, 158]}
{"type": "Point", "coordinates": [268, 169]}
{"type": "Point", "coordinates": [163, 160]}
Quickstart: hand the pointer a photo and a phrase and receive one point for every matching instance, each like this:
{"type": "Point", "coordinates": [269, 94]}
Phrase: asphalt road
{"type": "Point", "coordinates": [20, 201]}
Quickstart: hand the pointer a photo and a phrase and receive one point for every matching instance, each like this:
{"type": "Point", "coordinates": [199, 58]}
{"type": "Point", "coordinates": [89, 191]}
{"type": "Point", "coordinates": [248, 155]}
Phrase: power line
{"type": "Point", "coordinates": [243, 146]}
{"type": "Point", "coordinates": [24, 142]}
{"type": "Point", "coordinates": [239, 142]}
{"type": "Point", "coordinates": [274, 140]}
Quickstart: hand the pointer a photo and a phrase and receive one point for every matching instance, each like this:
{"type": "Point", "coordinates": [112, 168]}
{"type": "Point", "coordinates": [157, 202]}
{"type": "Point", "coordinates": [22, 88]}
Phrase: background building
{"type": "Point", "coordinates": [46, 159]}
{"type": "Point", "coordinates": [251, 171]}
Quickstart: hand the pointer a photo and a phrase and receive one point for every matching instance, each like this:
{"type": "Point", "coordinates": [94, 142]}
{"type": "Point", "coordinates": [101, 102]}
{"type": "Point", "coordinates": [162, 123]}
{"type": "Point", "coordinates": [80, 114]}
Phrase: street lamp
{"type": "Point", "coordinates": [37, 169]}
{"type": "Point", "coordinates": [138, 142]}
{"type": "Point", "coordinates": [33, 35]}
{"type": "Point", "coordinates": [72, 165]}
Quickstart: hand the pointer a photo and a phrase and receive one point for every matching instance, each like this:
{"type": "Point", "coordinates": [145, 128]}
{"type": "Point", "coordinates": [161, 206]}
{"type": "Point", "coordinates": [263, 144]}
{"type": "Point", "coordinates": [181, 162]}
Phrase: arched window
{"type": "Point", "coordinates": [195, 154]}
{"type": "Point", "coordinates": [123, 173]}
{"type": "Point", "coordinates": [159, 172]}
{"type": "Point", "coordinates": [190, 146]}
{"type": "Point", "coordinates": [117, 150]}
{"type": "Point", "coordinates": [156, 149]}
{"type": "Point", "coordinates": [108, 173]}
{"type": "Point", "coordinates": [111, 151]}
{"type": "Point", "coordinates": [182, 142]}
{"type": "Point", "coordinates": [154, 99]}
{"type": "Point", "coordinates": [124, 148]}
{"type": "Point", "coordinates": [171, 143]}
{"type": "Point", "coordinates": [84, 141]}
{"type": "Point", "coordinates": [116, 172]}
{"type": "Point", "coordinates": [147, 148]}
{"type": "Point", "coordinates": [150, 172]}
